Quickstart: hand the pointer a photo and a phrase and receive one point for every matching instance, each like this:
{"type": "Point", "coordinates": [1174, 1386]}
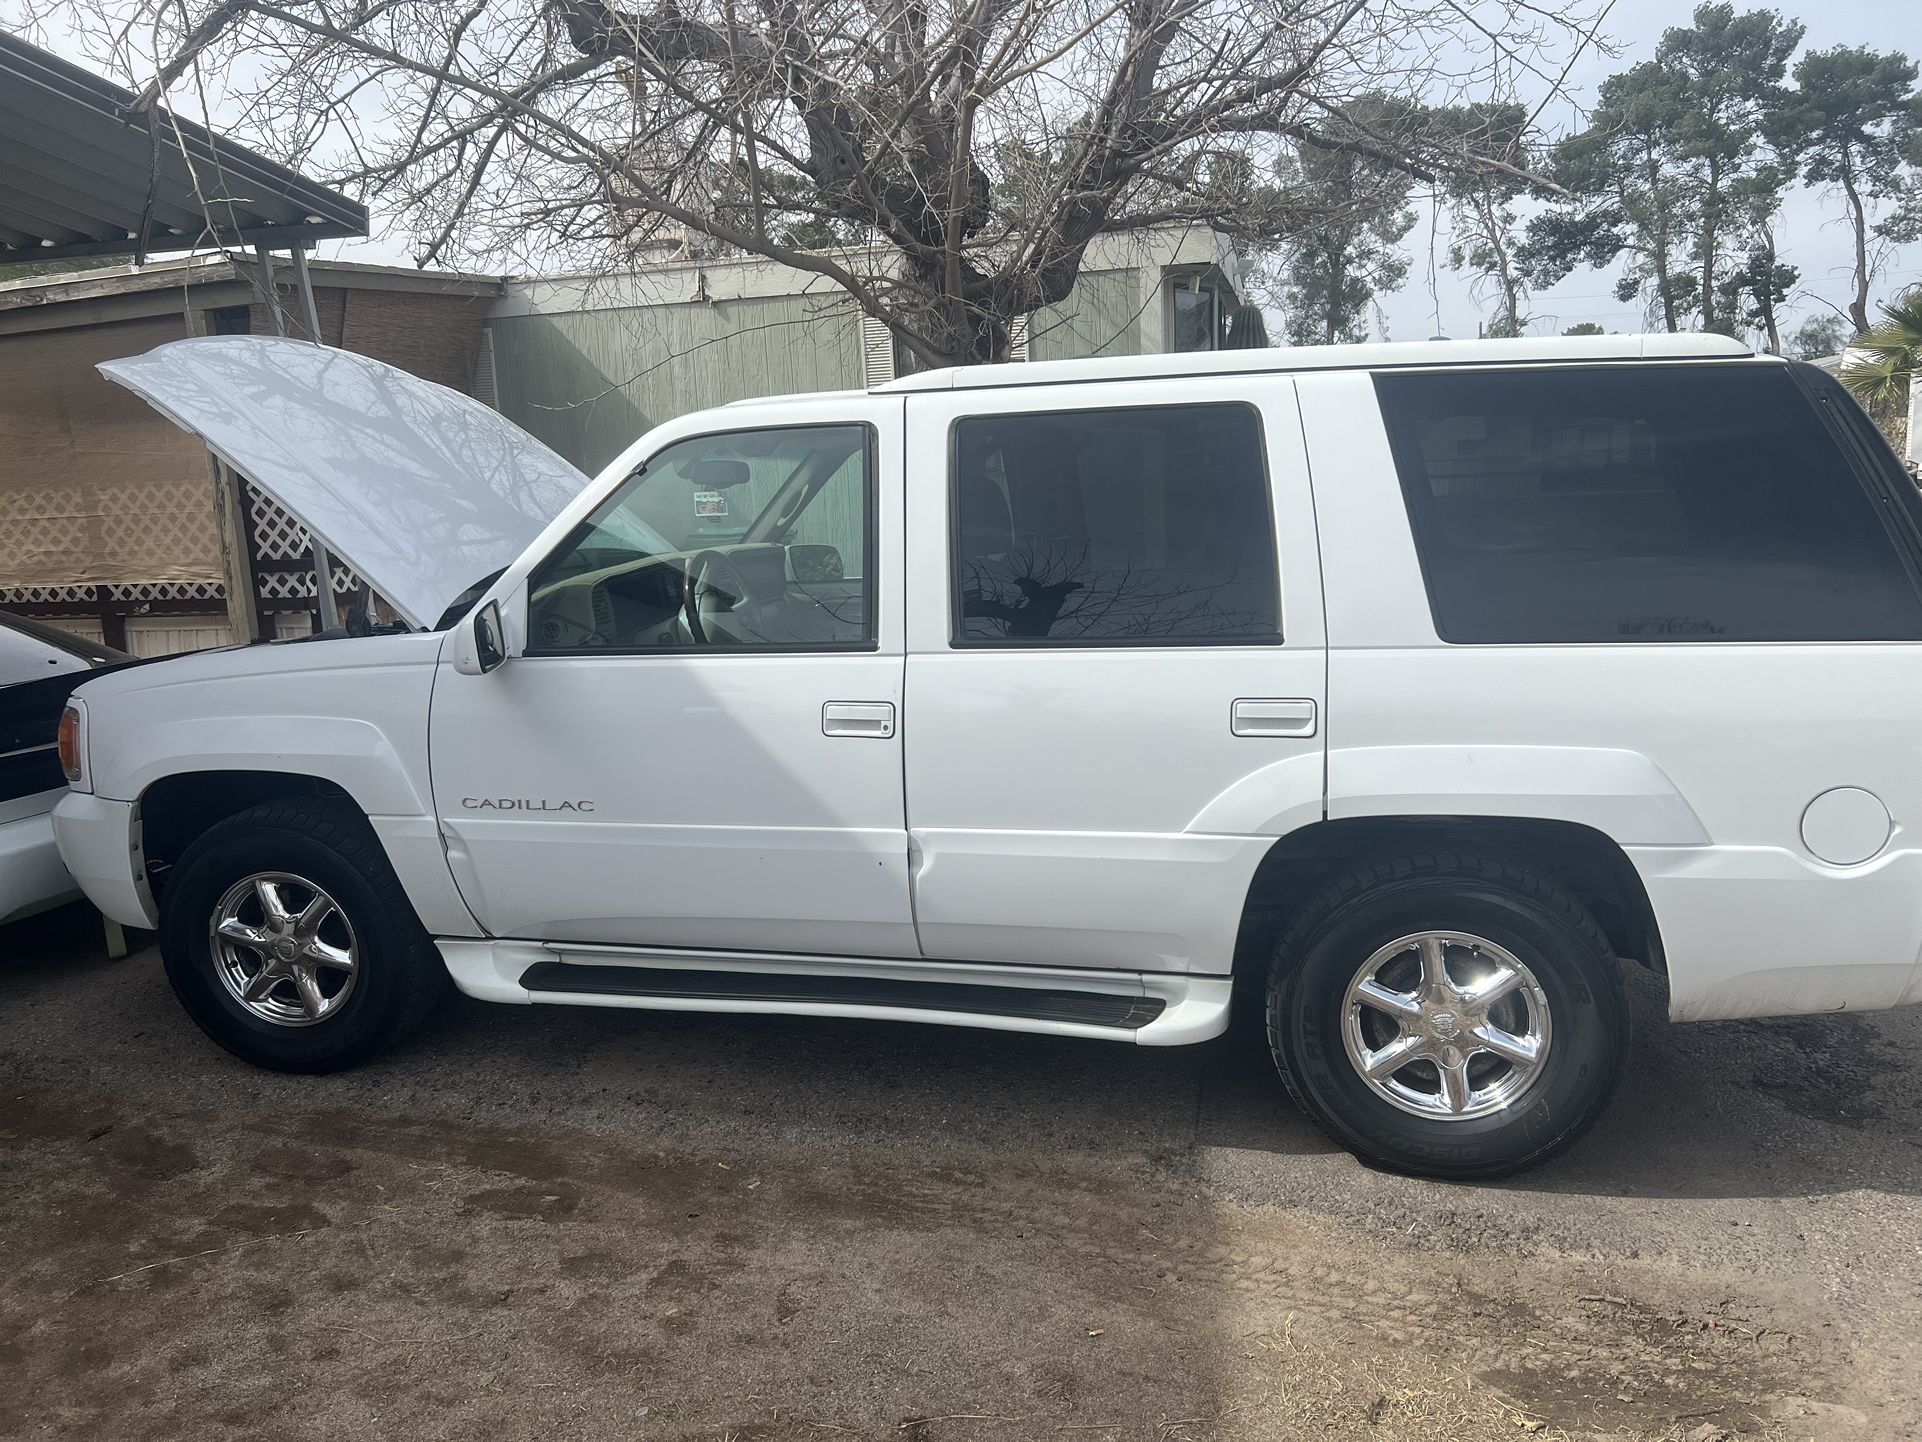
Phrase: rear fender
{"type": "Point", "coordinates": [1622, 794]}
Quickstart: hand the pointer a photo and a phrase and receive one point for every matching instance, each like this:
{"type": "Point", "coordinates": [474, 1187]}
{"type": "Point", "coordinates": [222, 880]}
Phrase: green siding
{"type": "Point", "coordinates": [1102, 316]}
{"type": "Point", "coordinates": [591, 382]}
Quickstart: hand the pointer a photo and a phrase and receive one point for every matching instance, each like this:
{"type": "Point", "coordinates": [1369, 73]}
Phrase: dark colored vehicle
{"type": "Point", "coordinates": [39, 667]}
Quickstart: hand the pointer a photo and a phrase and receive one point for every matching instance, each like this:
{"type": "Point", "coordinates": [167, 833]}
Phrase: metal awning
{"type": "Point", "coordinates": [84, 171]}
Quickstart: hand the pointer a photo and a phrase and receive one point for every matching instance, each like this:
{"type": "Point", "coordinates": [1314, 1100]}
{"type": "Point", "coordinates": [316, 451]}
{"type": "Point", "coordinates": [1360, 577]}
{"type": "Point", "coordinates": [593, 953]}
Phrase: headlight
{"type": "Point", "coordinates": [73, 745]}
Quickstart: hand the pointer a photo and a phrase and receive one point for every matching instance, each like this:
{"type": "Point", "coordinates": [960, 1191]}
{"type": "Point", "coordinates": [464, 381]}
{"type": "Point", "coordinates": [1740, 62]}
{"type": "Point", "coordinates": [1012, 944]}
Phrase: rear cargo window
{"type": "Point", "coordinates": [1145, 526]}
{"type": "Point", "coordinates": [1647, 503]}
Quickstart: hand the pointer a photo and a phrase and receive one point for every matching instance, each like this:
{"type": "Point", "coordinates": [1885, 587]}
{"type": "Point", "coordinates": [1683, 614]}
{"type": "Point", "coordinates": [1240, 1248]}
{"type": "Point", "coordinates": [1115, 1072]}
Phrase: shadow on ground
{"type": "Point", "coordinates": [534, 1222]}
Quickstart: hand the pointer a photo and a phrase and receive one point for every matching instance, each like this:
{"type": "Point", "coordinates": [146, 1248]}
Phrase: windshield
{"type": "Point", "coordinates": [30, 650]}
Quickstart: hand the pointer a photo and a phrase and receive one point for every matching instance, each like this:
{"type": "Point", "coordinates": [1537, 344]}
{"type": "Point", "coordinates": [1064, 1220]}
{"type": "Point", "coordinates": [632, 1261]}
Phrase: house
{"type": "Point", "coordinates": [116, 525]}
{"type": "Point", "coordinates": [108, 513]}
{"type": "Point", "coordinates": [589, 362]}
{"type": "Point", "coordinates": [110, 517]}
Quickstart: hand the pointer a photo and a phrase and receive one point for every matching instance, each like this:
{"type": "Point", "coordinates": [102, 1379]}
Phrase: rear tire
{"type": "Point", "coordinates": [1398, 960]}
{"type": "Point", "coordinates": [290, 942]}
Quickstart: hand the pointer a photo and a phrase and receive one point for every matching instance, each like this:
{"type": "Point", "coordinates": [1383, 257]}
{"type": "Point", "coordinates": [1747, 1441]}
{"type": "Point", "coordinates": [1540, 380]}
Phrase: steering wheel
{"type": "Point", "coordinates": [582, 635]}
{"type": "Point", "coordinates": [699, 582]}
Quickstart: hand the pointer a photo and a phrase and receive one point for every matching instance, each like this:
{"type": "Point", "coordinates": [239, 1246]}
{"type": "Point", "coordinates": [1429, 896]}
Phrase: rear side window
{"type": "Point", "coordinates": [1145, 526]}
{"type": "Point", "coordinates": [1674, 503]}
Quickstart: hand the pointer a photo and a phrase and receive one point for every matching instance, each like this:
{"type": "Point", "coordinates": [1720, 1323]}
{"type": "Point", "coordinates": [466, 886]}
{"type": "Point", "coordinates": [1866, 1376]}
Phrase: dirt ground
{"type": "Point", "coordinates": [536, 1223]}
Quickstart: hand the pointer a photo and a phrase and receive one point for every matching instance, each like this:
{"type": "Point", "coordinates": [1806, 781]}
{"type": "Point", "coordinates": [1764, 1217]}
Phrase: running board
{"type": "Point", "coordinates": [1089, 1008]}
{"type": "Point", "coordinates": [1146, 1008]}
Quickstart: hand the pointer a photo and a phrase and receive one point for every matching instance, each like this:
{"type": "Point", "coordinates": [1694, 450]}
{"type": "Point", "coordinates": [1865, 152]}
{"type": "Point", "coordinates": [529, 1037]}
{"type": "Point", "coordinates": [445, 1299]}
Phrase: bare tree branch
{"type": "Point", "coordinates": [945, 163]}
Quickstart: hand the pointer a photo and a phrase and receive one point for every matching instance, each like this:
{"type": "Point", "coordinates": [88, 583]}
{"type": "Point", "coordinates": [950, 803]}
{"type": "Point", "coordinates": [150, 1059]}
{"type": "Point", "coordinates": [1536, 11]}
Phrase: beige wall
{"type": "Point", "coordinates": [94, 487]}
{"type": "Point", "coordinates": [97, 489]}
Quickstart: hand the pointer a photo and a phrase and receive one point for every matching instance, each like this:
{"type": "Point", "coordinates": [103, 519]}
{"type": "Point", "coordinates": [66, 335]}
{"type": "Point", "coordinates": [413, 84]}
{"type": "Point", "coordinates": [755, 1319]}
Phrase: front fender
{"type": "Point", "coordinates": [355, 755]}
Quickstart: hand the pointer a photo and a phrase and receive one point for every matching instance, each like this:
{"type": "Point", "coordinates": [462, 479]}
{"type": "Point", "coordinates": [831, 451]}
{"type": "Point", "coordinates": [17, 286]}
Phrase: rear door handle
{"type": "Point", "coordinates": [1265, 717]}
{"type": "Point", "coordinates": [858, 718]}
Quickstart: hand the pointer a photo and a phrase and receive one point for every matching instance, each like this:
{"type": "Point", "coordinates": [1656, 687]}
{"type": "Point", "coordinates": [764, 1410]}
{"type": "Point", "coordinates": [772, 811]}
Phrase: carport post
{"type": "Point", "coordinates": [323, 564]}
{"type": "Point", "coordinates": [304, 281]}
{"type": "Point", "coordinates": [230, 517]}
{"type": "Point", "coordinates": [267, 291]}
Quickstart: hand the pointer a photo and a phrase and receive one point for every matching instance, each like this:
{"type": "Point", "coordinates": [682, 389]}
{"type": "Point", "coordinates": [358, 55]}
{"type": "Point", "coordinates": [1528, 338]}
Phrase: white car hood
{"type": "Point", "coordinates": [422, 490]}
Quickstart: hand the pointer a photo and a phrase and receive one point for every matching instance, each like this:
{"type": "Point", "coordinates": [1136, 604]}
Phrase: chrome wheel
{"type": "Point", "coordinates": [284, 949]}
{"type": "Point", "coordinates": [1446, 1026]}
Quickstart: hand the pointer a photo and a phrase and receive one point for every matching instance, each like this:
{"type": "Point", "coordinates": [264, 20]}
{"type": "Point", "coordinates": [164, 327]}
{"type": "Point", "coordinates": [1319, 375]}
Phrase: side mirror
{"type": "Point", "coordinates": [480, 645]}
{"type": "Point", "coordinates": [816, 563]}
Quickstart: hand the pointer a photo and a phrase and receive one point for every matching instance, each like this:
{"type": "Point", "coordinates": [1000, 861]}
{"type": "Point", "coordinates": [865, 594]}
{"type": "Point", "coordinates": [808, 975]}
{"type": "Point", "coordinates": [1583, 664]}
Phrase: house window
{"type": "Point", "coordinates": [1199, 307]}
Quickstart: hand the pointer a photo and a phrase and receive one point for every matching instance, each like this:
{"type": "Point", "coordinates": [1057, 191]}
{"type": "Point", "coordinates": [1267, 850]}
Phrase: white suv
{"type": "Point", "coordinates": [1397, 690]}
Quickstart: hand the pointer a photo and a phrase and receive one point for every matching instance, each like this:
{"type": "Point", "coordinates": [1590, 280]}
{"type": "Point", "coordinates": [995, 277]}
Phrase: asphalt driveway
{"type": "Point", "coordinates": [546, 1224]}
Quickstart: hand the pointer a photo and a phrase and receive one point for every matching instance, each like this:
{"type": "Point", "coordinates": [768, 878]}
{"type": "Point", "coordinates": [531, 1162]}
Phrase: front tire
{"type": "Point", "coordinates": [1448, 1015]}
{"type": "Point", "coordinates": [290, 942]}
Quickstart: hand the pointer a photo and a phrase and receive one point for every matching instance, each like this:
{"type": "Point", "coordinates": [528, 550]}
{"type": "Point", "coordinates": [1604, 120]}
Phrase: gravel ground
{"type": "Point", "coordinates": [550, 1224]}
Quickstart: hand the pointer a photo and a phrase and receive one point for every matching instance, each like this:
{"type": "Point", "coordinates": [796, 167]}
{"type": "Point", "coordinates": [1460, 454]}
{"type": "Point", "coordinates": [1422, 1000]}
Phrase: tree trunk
{"type": "Point", "coordinates": [1711, 229]}
{"type": "Point", "coordinates": [1658, 255]}
{"type": "Point", "coordinates": [1660, 259]}
{"type": "Point", "coordinates": [1765, 292]}
{"type": "Point", "coordinates": [1859, 221]}
{"type": "Point", "coordinates": [1511, 300]}
{"type": "Point", "coordinates": [1504, 272]}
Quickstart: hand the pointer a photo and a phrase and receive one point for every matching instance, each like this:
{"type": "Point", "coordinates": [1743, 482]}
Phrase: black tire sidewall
{"type": "Point", "coordinates": [1588, 1019]}
{"type": "Point", "coordinates": [213, 865]}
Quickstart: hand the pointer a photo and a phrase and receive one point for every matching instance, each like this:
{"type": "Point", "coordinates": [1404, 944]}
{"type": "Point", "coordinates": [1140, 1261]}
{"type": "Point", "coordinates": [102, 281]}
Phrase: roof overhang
{"type": "Point", "coordinates": [85, 170]}
{"type": "Point", "coordinates": [201, 282]}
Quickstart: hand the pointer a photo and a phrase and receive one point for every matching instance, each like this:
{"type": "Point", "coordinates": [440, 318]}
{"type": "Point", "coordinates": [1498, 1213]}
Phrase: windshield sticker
{"type": "Point", "coordinates": [709, 503]}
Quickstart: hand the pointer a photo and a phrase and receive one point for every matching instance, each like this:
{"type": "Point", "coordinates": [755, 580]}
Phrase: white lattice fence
{"type": "Point", "coordinates": [283, 553]}
{"type": "Point", "coordinates": [47, 596]}
{"type": "Point", "coordinates": [87, 599]}
{"type": "Point", "coordinates": [283, 575]}
{"type": "Point", "coordinates": [170, 591]}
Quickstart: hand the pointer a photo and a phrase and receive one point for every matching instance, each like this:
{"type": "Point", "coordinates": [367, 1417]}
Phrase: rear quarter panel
{"type": "Point", "coordinates": [1699, 759]}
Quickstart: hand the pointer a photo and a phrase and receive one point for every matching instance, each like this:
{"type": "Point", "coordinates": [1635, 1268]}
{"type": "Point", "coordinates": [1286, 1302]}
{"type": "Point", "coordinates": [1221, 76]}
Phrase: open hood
{"type": "Point", "coordinates": [422, 490]}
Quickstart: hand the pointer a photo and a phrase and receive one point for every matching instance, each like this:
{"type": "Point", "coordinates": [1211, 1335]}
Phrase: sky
{"type": "Point", "coordinates": [1436, 301]}
{"type": "Point", "coordinates": [1810, 233]}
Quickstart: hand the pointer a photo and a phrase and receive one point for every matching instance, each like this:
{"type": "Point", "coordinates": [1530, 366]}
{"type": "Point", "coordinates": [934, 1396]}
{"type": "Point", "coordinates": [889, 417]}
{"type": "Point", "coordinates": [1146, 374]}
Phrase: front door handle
{"type": "Point", "coordinates": [1260, 717]}
{"type": "Point", "coordinates": [858, 718]}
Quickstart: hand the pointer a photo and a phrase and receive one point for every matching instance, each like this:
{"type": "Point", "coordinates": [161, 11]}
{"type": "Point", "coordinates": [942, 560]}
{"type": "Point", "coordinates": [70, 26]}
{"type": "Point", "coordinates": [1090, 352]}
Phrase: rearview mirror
{"type": "Point", "coordinates": [480, 645]}
{"type": "Point", "coordinates": [718, 475]}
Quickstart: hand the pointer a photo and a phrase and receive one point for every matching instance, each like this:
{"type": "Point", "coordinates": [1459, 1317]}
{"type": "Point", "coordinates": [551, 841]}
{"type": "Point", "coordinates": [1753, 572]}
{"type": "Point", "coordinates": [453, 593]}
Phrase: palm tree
{"type": "Point", "coordinates": [1886, 359]}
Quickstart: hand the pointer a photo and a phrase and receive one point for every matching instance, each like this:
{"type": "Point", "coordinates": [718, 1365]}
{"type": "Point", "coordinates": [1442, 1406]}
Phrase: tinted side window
{"type": "Point", "coordinates": [1116, 527]}
{"type": "Point", "coordinates": [1672, 503]}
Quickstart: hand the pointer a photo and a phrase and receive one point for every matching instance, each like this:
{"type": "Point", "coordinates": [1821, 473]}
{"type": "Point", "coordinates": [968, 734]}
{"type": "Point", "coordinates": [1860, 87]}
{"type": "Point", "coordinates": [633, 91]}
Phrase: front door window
{"type": "Point", "coordinates": [759, 540]}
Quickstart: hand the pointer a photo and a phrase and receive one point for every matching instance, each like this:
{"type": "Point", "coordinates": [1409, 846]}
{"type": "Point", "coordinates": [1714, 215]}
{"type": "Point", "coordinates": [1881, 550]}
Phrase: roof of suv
{"type": "Point", "coordinates": [1375, 356]}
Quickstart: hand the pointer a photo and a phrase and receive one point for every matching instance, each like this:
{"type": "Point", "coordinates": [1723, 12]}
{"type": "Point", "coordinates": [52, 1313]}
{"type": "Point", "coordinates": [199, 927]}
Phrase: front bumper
{"type": "Point", "coordinates": [100, 842]}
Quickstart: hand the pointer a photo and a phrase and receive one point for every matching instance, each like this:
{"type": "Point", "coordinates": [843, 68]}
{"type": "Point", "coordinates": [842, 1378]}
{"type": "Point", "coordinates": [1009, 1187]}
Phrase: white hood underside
{"type": "Point", "coordinates": [421, 490]}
